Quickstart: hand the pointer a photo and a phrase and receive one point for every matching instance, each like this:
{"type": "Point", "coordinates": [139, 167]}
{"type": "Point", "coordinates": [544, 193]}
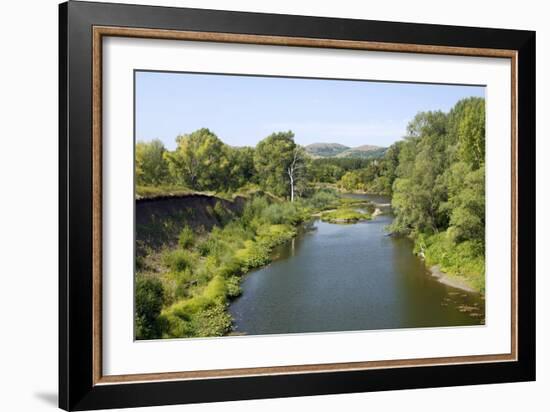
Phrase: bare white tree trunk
{"type": "Point", "coordinates": [290, 175]}
{"type": "Point", "coordinates": [292, 169]}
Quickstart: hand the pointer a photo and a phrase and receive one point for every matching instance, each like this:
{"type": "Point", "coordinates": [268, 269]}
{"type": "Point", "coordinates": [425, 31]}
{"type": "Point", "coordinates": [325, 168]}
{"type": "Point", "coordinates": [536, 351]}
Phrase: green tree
{"type": "Point", "coordinates": [151, 167]}
{"type": "Point", "coordinates": [199, 161]}
{"type": "Point", "coordinates": [240, 166]}
{"type": "Point", "coordinates": [351, 181]}
{"type": "Point", "coordinates": [440, 177]}
{"type": "Point", "coordinates": [280, 164]}
{"type": "Point", "coordinates": [419, 188]}
{"type": "Point", "coordinates": [467, 204]}
{"type": "Point", "coordinates": [390, 163]}
{"type": "Point", "coordinates": [467, 125]}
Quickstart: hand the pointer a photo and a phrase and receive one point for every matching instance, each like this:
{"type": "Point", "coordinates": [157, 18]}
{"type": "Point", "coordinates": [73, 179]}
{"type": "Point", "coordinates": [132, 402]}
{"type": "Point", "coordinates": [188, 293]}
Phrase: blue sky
{"type": "Point", "coordinates": [242, 110]}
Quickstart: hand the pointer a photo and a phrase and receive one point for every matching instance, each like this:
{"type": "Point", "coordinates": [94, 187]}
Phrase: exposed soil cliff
{"type": "Point", "coordinates": [159, 221]}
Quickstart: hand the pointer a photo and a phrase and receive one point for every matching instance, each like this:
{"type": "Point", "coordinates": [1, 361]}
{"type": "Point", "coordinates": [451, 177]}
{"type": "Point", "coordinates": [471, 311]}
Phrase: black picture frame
{"type": "Point", "coordinates": [77, 390]}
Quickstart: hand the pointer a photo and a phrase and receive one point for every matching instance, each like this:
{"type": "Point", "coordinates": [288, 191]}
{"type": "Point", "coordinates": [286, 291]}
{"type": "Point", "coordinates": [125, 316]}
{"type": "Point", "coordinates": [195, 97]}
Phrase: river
{"type": "Point", "coordinates": [335, 277]}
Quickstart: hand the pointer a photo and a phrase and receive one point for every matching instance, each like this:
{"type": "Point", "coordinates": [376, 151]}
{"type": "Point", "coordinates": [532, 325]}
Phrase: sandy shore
{"type": "Point", "coordinates": [448, 280]}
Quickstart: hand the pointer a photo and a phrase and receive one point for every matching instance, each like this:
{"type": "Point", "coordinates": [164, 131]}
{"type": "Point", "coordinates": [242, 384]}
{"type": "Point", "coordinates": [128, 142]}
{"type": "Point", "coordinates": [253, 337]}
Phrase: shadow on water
{"type": "Point", "coordinates": [349, 277]}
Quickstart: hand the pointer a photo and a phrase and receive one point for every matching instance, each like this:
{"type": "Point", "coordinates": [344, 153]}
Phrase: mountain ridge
{"type": "Point", "coordinates": [328, 150]}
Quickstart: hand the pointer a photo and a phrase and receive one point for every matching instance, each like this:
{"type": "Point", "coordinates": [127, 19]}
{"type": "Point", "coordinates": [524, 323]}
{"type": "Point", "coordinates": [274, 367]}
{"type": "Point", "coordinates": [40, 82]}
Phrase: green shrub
{"type": "Point", "coordinates": [254, 209]}
{"type": "Point", "coordinates": [186, 237]}
{"type": "Point", "coordinates": [273, 235]}
{"type": "Point", "coordinates": [323, 199]}
{"type": "Point", "coordinates": [229, 266]}
{"type": "Point", "coordinates": [233, 284]}
{"type": "Point", "coordinates": [141, 264]}
{"type": "Point", "coordinates": [215, 291]}
{"type": "Point", "coordinates": [205, 247]}
{"type": "Point", "coordinates": [350, 203]}
{"type": "Point", "coordinates": [465, 259]}
{"type": "Point", "coordinates": [178, 260]}
{"type": "Point", "coordinates": [149, 295]}
{"type": "Point", "coordinates": [344, 216]}
{"type": "Point", "coordinates": [253, 255]}
{"type": "Point", "coordinates": [214, 321]}
{"type": "Point", "coordinates": [223, 215]}
{"type": "Point", "coordinates": [177, 284]}
{"type": "Point", "coordinates": [281, 213]}
{"type": "Point", "coordinates": [175, 326]}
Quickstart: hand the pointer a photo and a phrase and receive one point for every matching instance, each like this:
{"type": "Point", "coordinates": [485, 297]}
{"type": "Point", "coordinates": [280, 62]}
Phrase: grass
{"type": "Point", "coordinates": [464, 260]}
{"type": "Point", "coordinates": [346, 210]}
{"type": "Point", "coordinates": [178, 259]}
{"type": "Point", "coordinates": [324, 199]}
{"type": "Point", "coordinates": [149, 192]}
{"type": "Point", "coordinates": [350, 202]}
{"type": "Point", "coordinates": [186, 237]}
{"type": "Point", "coordinates": [344, 215]}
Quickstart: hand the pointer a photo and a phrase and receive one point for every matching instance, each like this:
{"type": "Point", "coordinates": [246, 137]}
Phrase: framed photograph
{"type": "Point", "coordinates": [256, 205]}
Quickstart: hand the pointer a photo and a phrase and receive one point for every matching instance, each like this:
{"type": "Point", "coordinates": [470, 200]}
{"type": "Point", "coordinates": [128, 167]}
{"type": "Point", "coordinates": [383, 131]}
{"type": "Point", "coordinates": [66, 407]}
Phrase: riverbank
{"type": "Point", "coordinates": [451, 281]}
{"type": "Point", "coordinates": [197, 274]}
{"type": "Point", "coordinates": [201, 273]}
{"type": "Point", "coordinates": [459, 265]}
{"type": "Point", "coordinates": [197, 265]}
{"type": "Point", "coordinates": [195, 269]}
{"type": "Point", "coordinates": [346, 277]}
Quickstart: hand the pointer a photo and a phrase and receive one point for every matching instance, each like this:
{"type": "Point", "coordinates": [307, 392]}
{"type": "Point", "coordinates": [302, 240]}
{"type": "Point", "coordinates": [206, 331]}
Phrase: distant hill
{"type": "Point", "coordinates": [364, 152]}
{"type": "Point", "coordinates": [325, 149]}
{"type": "Point", "coordinates": [317, 150]}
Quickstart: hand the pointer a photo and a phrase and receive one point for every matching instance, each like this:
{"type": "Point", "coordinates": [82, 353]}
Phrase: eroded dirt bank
{"type": "Point", "coordinates": [160, 220]}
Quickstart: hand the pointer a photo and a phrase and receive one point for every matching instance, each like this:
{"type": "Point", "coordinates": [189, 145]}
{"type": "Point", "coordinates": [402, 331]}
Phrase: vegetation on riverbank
{"type": "Point", "coordinates": [348, 210]}
{"type": "Point", "coordinates": [436, 178]}
{"type": "Point", "coordinates": [344, 216]}
{"type": "Point", "coordinates": [199, 276]}
{"type": "Point", "coordinates": [183, 291]}
{"type": "Point", "coordinates": [464, 261]}
{"type": "Point", "coordinates": [186, 279]}
{"type": "Point", "coordinates": [438, 195]}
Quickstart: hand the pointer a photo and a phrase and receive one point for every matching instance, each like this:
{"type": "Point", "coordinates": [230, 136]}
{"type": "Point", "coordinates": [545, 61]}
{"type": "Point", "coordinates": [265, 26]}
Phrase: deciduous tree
{"type": "Point", "coordinates": [199, 160]}
{"type": "Point", "coordinates": [151, 167]}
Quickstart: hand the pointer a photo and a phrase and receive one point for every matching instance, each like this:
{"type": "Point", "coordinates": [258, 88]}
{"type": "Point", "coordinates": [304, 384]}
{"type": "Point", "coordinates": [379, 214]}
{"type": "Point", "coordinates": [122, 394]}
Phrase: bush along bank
{"type": "Point", "coordinates": [461, 265]}
{"type": "Point", "coordinates": [184, 291]}
{"type": "Point", "coordinates": [348, 210]}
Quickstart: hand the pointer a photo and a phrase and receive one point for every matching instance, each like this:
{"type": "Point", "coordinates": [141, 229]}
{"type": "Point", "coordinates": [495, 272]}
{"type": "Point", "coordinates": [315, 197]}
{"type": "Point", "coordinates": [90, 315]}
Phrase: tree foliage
{"type": "Point", "coordinates": [151, 168]}
{"type": "Point", "coordinates": [280, 164]}
{"type": "Point", "coordinates": [201, 161]}
{"type": "Point", "coordinates": [198, 160]}
{"type": "Point", "coordinates": [467, 123]}
{"type": "Point", "coordinates": [435, 175]}
{"type": "Point", "coordinates": [440, 177]}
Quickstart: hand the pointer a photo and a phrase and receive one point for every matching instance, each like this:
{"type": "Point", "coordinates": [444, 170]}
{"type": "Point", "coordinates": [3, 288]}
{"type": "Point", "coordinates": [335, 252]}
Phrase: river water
{"type": "Point", "coordinates": [335, 277]}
